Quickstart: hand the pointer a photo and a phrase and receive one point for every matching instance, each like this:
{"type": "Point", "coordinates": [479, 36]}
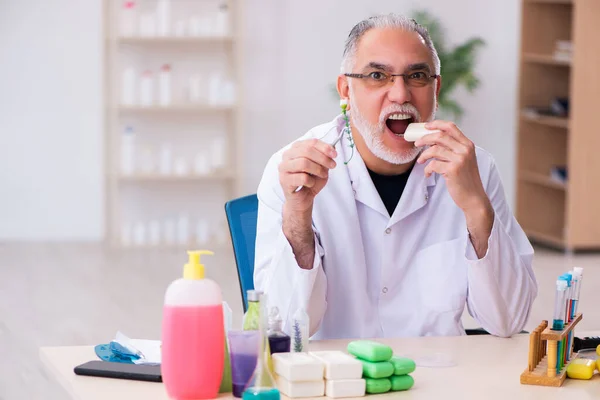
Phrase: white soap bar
{"type": "Point", "coordinates": [297, 367]}
{"type": "Point", "coordinates": [339, 365]}
{"type": "Point", "coordinates": [417, 130]}
{"type": "Point", "coordinates": [300, 389]}
{"type": "Point", "coordinates": [345, 388]}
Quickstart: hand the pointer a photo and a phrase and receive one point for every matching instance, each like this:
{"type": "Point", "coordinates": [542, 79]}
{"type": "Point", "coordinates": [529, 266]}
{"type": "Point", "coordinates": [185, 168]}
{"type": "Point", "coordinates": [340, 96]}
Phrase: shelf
{"type": "Point", "coordinates": [543, 180]}
{"type": "Point", "coordinates": [545, 238]}
{"type": "Point", "coordinates": [544, 59]}
{"type": "Point", "coordinates": [549, 334]}
{"type": "Point", "coordinates": [555, 122]}
{"type": "Point", "coordinates": [175, 108]}
{"type": "Point", "coordinates": [216, 248]}
{"type": "Point", "coordinates": [564, 2]}
{"type": "Point", "coordinates": [177, 178]}
{"type": "Point", "coordinates": [175, 40]}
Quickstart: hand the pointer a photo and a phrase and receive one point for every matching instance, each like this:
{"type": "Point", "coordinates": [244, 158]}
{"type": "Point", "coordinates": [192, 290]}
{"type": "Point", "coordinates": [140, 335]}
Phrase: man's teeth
{"type": "Point", "coordinates": [400, 116]}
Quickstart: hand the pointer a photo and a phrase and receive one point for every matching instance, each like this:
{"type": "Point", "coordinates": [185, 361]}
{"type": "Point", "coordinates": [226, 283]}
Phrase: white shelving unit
{"type": "Point", "coordinates": [172, 121]}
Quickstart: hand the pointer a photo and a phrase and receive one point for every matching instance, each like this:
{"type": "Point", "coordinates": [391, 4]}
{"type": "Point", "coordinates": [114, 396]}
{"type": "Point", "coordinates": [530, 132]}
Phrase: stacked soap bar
{"type": "Point", "coordinates": [343, 374]}
{"type": "Point", "coordinates": [332, 373]}
{"type": "Point", "coordinates": [382, 371]}
{"type": "Point", "coordinates": [298, 375]}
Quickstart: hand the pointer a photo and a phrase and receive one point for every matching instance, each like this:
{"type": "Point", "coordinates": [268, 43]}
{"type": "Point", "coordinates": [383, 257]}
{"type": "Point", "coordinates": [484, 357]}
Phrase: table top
{"type": "Point", "coordinates": [484, 367]}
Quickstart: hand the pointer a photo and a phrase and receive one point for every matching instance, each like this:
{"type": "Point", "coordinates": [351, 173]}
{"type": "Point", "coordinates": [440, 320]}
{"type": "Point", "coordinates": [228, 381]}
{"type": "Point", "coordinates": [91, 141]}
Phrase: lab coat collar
{"type": "Point", "coordinates": [416, 192]}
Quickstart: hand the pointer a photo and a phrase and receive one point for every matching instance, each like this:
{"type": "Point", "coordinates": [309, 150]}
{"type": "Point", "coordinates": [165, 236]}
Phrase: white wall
{"type": "Point", "coordinates": [51, 154]}
{"type": "Point", "coordinates": [51, 146]}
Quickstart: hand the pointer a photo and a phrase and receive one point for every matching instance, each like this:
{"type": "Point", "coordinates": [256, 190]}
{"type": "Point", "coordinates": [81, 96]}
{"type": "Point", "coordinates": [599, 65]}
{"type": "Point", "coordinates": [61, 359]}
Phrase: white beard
{"type": "Point", "coordinates": [373, 134]}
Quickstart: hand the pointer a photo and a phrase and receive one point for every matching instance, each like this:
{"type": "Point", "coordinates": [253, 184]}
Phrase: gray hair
{"type": "Point", "coordinates": [385, 21]}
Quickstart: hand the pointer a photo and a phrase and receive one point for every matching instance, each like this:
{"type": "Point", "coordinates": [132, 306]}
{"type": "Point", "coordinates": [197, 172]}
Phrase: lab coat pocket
{"type": "Point", "coordinates": [442, 276]}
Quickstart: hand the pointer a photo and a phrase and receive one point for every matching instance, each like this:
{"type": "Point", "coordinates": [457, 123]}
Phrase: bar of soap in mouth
{"type": "Point", "coordinates": [417, 130]}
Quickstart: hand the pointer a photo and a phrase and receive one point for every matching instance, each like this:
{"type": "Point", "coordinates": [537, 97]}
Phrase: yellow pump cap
{"type": "Point", "coordinates": [194, 269]}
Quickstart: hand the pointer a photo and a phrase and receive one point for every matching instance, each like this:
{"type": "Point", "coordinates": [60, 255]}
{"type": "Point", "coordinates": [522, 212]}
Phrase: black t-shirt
{"type": "Point", "coordinates": [390, 188]}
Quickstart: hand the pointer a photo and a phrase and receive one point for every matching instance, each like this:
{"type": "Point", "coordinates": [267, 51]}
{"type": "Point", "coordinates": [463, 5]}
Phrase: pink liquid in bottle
{"type": "Point", "coordinates": [192, 351]}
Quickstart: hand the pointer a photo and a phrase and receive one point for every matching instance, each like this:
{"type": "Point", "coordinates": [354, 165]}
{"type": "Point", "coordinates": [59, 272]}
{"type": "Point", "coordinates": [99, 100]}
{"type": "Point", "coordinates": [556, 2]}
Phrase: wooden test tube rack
{"type": "Point", "coordinates": [543, 345]}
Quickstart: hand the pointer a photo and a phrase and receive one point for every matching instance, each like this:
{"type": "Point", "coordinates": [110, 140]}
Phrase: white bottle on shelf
{"type": "Point", "coordinates": [180, 28]}
{"type": "Point", "coordinates": [166, 160]}
{"type": "Point", "coordinates": [154, 233]}
{"type": "Point", "coordinates": [183, 230]}
{"type": "Point", "coordinates": [147, 89]}
{"type": "Point", "coordinates": [201, 164]}
{"type": "Point", "coordinates": [128, 151]}
{"type": "Point", "coordinates": [181, 167]}
{"type": "Point", "coordinates": [195, 88]}
{"type": "Point", "coordinates": [139, 234]}
{"type": "Point", "coordinates": [218, 151]}
{"type": "Point", "coordinates": [215, 88]}
{"type": "Point", "coordinates": [228, 93]}
{"type": "Point", "coordinates": [126, 234]}
{"type": "Point", "coordinates": [128, 89]}
{"type": "Point", "coordinates": [202, 232]}
{"type": "Point", "coordinates": [164, 85]}
{"type": "Point", "coordinates": [195, 26]}
{"type": "Point", "coordinates": [128, 19]}
{"type": "Point", "coordinates": [163, 14]}
{"type": "Point", "coordinates": [222, 21]}
{"type": "Point", "coordinates": [170, 232]}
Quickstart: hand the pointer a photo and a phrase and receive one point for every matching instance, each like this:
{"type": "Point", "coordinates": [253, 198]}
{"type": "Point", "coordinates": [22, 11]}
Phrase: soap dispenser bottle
{"type": "Point", "coordinates": [193, 334]}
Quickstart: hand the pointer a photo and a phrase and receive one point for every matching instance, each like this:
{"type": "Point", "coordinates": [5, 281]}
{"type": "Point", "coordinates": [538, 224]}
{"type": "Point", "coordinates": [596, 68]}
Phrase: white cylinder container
{"type": "Point", "coordinates": [128, 151]}
{"type": "Point", "coordinates": [166, 160]}
{"type": "Point", "coordinates": [147, 89]}
{"type": "Point", "coordinates": [164, 85]}
{"type": "Point", "coordinates": [128, 87]}
{"type": "Point", "coordinates": [163, 14]}
{"type": "Point", "coordinates": [183, 230]}
{"type": "Point", "coordinates": [128, 19]}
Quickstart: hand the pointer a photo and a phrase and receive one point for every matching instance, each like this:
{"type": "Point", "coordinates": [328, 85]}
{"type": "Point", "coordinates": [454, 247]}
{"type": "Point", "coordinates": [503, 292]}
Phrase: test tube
{"type": "Point", "coordinates": [578, 275]}
{"type": "Point", "coordinates": [569, 278]}
{"type": "Point", "coordinates": [558, 321]}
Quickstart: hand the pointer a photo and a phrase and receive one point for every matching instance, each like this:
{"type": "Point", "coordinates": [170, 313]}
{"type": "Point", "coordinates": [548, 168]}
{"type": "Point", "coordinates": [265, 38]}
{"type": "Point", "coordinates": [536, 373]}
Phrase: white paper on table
{"type": "Point", "coordinates": [149, 349]}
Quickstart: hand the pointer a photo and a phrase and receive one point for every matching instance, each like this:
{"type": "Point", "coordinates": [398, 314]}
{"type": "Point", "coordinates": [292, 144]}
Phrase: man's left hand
{"type": "Point", "coordinates": [452, 155]}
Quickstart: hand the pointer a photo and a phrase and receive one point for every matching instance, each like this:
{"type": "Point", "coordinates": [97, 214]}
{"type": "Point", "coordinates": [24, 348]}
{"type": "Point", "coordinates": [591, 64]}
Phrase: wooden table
{"type": "Point", "coordinates": [486, 367]}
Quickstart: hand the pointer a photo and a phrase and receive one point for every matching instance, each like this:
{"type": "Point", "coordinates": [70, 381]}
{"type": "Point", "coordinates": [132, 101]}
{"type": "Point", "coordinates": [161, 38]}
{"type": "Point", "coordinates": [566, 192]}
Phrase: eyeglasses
{"type": "Point", "coordinates": [378, 79]}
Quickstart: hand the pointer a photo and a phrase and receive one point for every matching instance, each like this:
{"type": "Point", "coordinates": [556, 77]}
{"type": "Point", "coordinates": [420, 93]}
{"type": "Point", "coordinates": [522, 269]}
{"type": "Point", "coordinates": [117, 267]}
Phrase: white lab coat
{"type": "Point", "coordinates": [408, 275]}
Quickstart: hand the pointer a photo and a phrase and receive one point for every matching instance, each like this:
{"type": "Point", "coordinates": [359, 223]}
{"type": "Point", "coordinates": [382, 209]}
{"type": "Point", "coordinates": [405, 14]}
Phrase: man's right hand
{"type": "Point", "coordinates": [306, 163]}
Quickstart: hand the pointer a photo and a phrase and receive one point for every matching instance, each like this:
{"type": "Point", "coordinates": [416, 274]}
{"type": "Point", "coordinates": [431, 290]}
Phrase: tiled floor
{"type": "Point", "coordinates": [65, 294]}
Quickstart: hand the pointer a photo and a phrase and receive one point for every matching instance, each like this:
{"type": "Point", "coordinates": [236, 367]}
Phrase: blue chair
{"type": "Point", "coordinates": [242, 215]}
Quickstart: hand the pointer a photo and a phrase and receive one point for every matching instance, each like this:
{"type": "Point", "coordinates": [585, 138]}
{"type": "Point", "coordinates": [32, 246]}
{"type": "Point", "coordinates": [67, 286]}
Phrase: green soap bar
{"type": "Point", "coordinates": [375, 386]}
{"type": "Point", "coordinates": [382, 369]}
{"type": "Point", "coordinates": [403, 382]}
{"type": "Point", "coordinates": [370, 351]}
{"type": "Point", "coordinates": [402, 365]}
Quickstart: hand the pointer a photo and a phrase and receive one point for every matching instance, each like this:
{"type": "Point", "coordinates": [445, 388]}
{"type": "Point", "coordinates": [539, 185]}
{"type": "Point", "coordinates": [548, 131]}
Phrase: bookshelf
{"type": "Point", "coordinates": [172, 101]}
{"type": "Point", "coordinates": [562, 214]}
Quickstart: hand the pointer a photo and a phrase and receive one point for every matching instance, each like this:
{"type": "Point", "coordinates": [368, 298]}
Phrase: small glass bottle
{"type": "Point", "coordinates": [252, 316]}
{"type": "Point", "coordinates": [261, 385]}
{"type": "Point", "coordinates": [279, 342]}
{"type": "Point", "coordinates": [300, 330]}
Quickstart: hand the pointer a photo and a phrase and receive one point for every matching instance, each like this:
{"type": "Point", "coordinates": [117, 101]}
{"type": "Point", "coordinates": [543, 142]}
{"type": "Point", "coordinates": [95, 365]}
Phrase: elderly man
{"type": "Point", "coordinates": [395, 238]}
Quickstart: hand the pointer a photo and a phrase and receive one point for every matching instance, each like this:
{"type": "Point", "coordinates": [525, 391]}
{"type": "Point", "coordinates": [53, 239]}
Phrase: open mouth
{"type": "Point", "coordinates": [398, 122]}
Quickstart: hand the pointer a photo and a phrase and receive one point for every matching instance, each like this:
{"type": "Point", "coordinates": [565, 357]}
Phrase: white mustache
{"type": "Point", "coordinates": [399, 108]}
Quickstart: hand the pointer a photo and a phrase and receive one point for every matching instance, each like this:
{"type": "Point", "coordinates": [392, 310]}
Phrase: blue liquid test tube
{"type": "Point", "coordinates": [558, 321]}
